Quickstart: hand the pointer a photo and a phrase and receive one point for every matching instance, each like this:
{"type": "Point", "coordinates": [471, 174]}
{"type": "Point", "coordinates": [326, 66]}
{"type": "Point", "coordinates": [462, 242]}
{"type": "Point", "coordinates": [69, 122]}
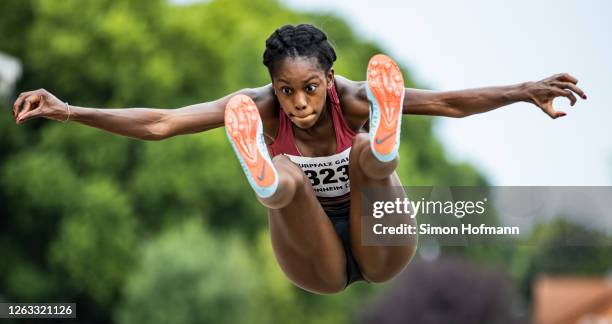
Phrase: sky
{"type": "Point", "coordinates": [450, 45]}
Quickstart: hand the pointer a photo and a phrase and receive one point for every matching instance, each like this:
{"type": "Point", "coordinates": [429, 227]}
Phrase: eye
{"type": "Point", "coordinates": [311, 88]}
{"type": "Point", "coordinates": [286, 90]}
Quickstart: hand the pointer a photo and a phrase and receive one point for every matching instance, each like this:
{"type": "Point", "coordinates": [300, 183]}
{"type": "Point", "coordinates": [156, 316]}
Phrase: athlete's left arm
{"type": "Point", "coordinates": [462, 103]}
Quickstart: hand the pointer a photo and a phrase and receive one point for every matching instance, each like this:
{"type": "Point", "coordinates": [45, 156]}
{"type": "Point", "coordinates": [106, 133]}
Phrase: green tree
{"type": "Point", "coordinates": [177, 283]}
{"type": "Point", "coordinates": [84, 205]}
{"type": "Point", "coordinates": [561, 247]}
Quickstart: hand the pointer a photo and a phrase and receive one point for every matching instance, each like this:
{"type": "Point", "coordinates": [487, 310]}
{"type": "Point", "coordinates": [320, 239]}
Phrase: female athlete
{"type": "Point", "coordinates": [302, 137]}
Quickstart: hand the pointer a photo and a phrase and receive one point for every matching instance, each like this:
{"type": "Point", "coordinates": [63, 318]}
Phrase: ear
{"type": "Point", "coordinates": [330, 78]}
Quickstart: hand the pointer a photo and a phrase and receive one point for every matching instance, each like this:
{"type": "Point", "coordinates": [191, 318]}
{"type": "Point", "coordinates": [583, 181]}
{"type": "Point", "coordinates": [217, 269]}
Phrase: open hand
{"type": "Point", "coordinates": [542, 93]}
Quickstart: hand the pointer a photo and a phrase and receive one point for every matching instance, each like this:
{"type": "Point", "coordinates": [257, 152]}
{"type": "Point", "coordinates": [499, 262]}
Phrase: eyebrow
{"type": "Point", "coordinates": [305, 81]}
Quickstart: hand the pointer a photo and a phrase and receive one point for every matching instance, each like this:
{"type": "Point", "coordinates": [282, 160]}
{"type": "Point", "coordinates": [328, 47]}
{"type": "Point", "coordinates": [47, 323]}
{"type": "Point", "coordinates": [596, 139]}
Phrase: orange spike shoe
{"type": "Point", "coordinates": [244, 130]}
{"type": "Point", "coordinates": [385, 90]}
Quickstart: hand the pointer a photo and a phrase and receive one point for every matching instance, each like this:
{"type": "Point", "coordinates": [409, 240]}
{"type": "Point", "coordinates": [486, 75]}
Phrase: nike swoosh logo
{"type": "Point", "coordinates": [381, 140]}
{"type": "Point", "coordinates": [260, 177]}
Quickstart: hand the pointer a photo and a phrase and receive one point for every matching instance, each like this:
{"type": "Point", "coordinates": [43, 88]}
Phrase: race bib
{"type": "Point", "coordinates": [329, 175]}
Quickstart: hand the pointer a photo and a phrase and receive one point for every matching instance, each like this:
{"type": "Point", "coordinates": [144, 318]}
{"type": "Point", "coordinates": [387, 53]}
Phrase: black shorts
{"type": "Point", "coordinates": [340, 220]}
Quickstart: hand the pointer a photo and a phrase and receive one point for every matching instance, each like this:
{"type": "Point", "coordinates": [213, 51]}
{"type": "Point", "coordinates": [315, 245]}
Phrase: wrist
{"type": "Point", "coordinates": [520, 92]}
{"type": "Point", "coordinates": [76, 113]}
{"type": "Point", "coordinates": [68, 112]}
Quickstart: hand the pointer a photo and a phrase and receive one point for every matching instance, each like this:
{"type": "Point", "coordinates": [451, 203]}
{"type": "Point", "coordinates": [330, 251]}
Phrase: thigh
{"type": "Point", "coordinates": [304, 240]}
{"type": "Point", "coordinates": [388, 189]}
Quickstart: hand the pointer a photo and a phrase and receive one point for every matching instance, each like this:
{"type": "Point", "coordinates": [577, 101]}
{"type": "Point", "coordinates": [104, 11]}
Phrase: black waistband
{"type": "Point", "coordinates": [338, 211]}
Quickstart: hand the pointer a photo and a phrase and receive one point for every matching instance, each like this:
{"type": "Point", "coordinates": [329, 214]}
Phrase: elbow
{"type": "Point", "coordinates": [446, 108]}
{"type": "Point", "coordinates": [152, 137]}
{"type": "Point", "coordinates": [460, 114]}
{"type": "Point", "coordinates": [157, 131]}
{"type": "Point", "coordinates": [455, 112]}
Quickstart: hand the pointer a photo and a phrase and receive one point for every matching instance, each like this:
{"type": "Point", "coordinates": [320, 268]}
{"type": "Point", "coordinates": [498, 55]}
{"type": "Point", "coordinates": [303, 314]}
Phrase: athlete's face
{"type": "Point", "coordinates": [301, 88]}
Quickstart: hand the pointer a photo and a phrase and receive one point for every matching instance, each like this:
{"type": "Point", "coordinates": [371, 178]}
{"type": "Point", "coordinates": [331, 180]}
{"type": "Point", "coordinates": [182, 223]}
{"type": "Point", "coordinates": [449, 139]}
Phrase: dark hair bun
{"type": "Point", "coordinates": [301, 40]}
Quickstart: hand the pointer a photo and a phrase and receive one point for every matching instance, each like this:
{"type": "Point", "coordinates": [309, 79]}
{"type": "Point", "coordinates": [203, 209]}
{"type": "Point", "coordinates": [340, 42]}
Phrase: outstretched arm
{"type": "Point", "coordinates": [462, 103]}
{"type": "Point", "coordinates": [140, 123]}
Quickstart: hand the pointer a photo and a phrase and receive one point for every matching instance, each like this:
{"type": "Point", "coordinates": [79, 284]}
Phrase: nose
{"type": "Point", "coordinates": [300, 103]}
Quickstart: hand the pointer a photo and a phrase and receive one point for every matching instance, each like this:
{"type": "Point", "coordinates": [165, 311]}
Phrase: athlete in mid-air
{"type": "Point", "coordinates": [302, 137]}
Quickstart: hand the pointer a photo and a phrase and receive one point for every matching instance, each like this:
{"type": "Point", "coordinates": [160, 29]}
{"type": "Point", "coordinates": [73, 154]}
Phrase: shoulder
{"type": "Point", "coordinates": [354, 101]}
{"type": "Point", "coordinates": [264, 99]}
{"type": "Point", "coordinates": [267, 105]}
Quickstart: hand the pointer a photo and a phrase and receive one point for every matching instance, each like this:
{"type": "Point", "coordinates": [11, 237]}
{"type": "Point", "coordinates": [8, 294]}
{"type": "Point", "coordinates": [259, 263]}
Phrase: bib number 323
{"type": "Point", "coordinates": [329, 175]}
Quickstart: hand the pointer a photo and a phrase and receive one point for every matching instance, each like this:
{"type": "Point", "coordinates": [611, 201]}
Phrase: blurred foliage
{"type": "Point", "coordinates": [561, 247]}
{"type": "Point", "coordinates": [173, 284]}
{"type": "Point", "coordinates": [447, 290]}
{"type": "Point", "coordinates": [163, 231]}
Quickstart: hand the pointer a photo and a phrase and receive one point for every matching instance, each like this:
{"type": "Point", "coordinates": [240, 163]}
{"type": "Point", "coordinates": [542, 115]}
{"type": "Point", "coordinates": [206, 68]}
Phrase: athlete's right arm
{"type": "Point", "coordinates": [140, 123]}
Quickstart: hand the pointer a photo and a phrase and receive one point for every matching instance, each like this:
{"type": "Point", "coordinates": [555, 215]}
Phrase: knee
{"type": "Point", "coordinates": [293, 177]}
{"type": "Point", "coordinates": [280, 159]}
{"type": "Point", "coordinates": [361, 140]}
{"type": "Point", "coordinates": [289, 182]}
{"type": "Point", "coordinates": [363, 161]}
{"type": "Point", "coordinates": [361, 143]}
{"type": "Point", "coordinates": [292, 171]}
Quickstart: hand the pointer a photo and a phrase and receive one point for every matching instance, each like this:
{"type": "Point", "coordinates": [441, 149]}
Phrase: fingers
{"type": "Point", "coordinates": [28, 101]}
{"type": "Point", "coordinates": [32, 101]}
{"type": "Point", "coordinates": [24, 117]}
{"type": "Point", "coordinates": [558, 114]}
{"type": "Point", "coordinates": [566, 77]}
{"type": "Point", "coordinates": [548, 108]}
{"type": "Point", "coordinates": [19, 102]}
{"type": "Point", "coordinates": [570, 86]}
{"type": "Point", "coordinates": [566, 93]}
{"type": "Point", "coordinates": [554, 114]}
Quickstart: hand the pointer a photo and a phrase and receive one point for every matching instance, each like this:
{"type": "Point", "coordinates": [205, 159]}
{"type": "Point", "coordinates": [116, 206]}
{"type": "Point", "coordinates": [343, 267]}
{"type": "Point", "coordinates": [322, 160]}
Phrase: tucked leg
{"type": "Point", "coordinates": [377, 263]}
{"type": "Point", "coordinates": [304, 241]}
